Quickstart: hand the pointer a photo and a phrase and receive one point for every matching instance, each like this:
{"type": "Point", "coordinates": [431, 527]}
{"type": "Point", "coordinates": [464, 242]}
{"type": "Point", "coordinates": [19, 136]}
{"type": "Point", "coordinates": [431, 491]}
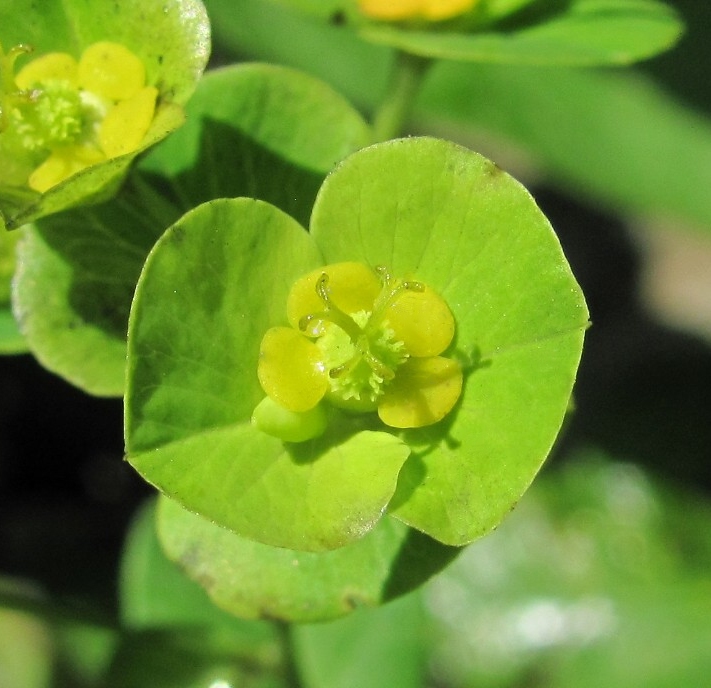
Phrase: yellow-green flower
{"type": "Point", "coordinates": [431, 10]}
{"type": "Point", "coordinates": [364, 341]}
{"type": "Point", "coordinates": [71, 114]}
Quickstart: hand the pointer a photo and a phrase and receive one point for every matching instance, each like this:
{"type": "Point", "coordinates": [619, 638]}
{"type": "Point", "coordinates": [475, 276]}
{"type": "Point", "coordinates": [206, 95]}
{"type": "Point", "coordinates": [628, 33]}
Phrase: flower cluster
{"type": "Point", "coordinates": [363, 341]}
{"type": "Point", "coordinates": [70, 114]}
{"type": "Point", "coordinates": [430, 10]}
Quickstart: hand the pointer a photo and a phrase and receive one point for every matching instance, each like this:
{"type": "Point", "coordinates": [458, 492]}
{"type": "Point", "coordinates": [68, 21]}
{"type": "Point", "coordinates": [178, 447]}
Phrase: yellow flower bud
{"type": "Point", "coordinates": [431, 10]}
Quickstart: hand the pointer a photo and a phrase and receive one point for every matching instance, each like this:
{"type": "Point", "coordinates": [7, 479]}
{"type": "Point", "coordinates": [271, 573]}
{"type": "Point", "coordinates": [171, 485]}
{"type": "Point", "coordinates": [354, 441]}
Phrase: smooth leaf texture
{"type": "Point", "coordinates": [172, 39]}
{"type": "Point", "coordinates": [155, 594]}
{"type": "Point", "coordinates": [211, 287]}
{"type": "Point", "coordinates": [576, 33]}
{"type": "Point", "coordinates": [275, 137]}
{"type": "Point", "coordinates": [219, 279]}
{"type": "Point", "coordinates": [252, 580]}
{"type": "Point", "coordinates": [452, 218]}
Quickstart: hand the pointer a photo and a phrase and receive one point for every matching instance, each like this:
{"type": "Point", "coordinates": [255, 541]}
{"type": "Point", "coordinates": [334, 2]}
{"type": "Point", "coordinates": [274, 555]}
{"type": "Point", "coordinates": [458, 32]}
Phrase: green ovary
{"type": "Point", "coordinates": [361, 369]}
{"type": "Point", "coordinates": [52, 118]}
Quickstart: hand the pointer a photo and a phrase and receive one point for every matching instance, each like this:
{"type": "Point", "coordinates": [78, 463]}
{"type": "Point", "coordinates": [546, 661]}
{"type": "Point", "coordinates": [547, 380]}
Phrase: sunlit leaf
{"type": "Point", "coordinates": [219, 279]}
{"type": "Point", "coordinates": [461, 225]}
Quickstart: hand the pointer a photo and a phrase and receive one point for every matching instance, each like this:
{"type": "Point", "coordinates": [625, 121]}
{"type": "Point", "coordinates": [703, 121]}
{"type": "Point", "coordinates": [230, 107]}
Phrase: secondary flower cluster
{"type": "Point", "coordinates": [364, 341]}
{"type": "Point", "coordinates": [70, 114]}
{"type": "Point", "coordinates": [431, 10]}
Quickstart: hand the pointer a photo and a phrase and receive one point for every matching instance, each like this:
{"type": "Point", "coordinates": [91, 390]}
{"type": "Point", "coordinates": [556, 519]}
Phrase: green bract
{"type": "Point", "coordinates": [170, 40]}
{"type": "Point", "coordinates": [574, 33]}
{"type": "Point", "coordinates": [219, 279]}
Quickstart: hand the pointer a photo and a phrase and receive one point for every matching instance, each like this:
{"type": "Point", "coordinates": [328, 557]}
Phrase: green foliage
{"type": "Point", "coordinates": [11, 341]}
{"type": "Point", "coordinates": [76, 277]}
{"type": "Point", "coordinates": [25, 652]}
{"type": "Point", "coordinates": [256, 581]}
{"type": "Point", "coordinates": [157, 278]}
{"type": "Point", "coordinates": [596, 579]}
{"type": "Point", "coordinates": [577, 33]}
{"type": "Point", "coordinates": [218, 279]}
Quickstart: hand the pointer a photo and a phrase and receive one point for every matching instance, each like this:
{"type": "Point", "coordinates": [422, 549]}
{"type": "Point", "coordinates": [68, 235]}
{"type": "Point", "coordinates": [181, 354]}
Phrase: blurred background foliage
{"type": "Point", "coordinates": [601, 576]}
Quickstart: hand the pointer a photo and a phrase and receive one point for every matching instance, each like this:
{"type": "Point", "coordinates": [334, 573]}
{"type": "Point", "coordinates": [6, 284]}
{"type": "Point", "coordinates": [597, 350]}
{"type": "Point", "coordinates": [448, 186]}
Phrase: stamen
{"type": "Point", "coordinates": [377, 366]}
{"type": "Point", "coordinates": [344, 369]}
{"type": "Point", "coordinates": [360, 354]}
{"type": "Point", "coordinates": [388, 296]}
{"type": "Point", "coordinates": [331, 313]}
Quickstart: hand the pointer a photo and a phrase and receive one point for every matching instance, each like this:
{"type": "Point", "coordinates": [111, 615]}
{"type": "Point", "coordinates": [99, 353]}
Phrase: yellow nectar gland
{"type": "Point", "coordinates": [429, 10]}
{"type": "Point", "coordinates": [364, 341]}
{"type": "Point", "coordinates": [71, 114]}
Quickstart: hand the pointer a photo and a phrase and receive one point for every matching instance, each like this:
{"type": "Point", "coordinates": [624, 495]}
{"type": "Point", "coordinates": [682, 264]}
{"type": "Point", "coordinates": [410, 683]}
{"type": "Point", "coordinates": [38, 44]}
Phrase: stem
{"type": "Point", "coordinates": [290, 665]}
{"type": "Point", "coordinates": [406, 77]}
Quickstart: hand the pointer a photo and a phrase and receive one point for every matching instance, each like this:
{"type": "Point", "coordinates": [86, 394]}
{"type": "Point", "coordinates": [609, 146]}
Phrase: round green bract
{"type": "Point", "coordinates": [219, 279]}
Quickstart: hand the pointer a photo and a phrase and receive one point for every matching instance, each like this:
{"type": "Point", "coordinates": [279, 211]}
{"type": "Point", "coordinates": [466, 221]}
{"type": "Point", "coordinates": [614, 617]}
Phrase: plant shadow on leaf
{"type": "Point", "coordinates": [419, 558]}
{"type": "Point", "coordinates": [532, 14]}
{"type": "Point", "coordinates": [105, 247]}
{"type": "Point", "coordinates": [429, 438]}
{"type": "Point", "coordinates": [232, 164]}
{"type": "Point", "coordinates": [341, 427]}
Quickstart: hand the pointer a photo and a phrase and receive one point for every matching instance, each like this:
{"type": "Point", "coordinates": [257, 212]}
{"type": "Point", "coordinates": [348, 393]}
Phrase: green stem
{"type": "Point", "coordinates": [290, 666]}
{"type": "Point", "coordinates": [406, 78]}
